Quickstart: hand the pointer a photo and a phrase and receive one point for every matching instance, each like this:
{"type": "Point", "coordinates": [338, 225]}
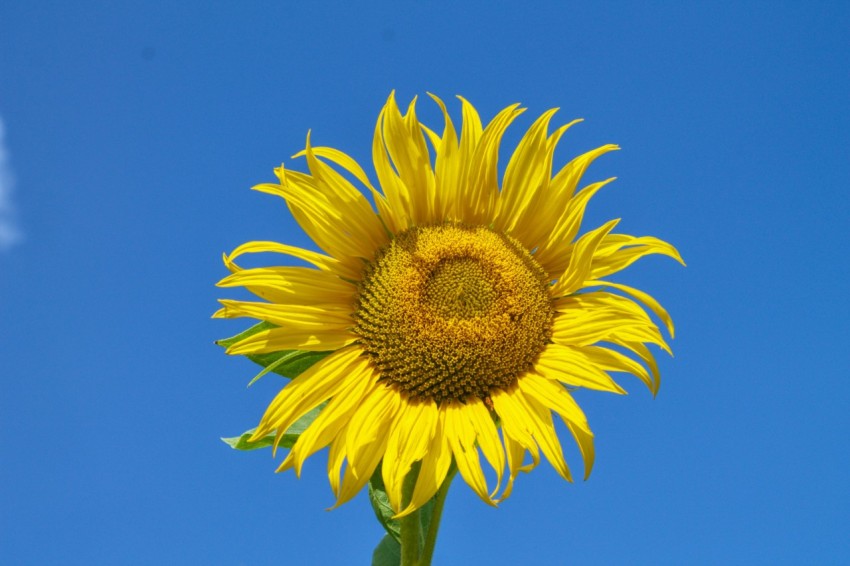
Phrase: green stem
{"type": "Point", "coordinates": [411, 530]}
{"type": "Point", "coordinates": [434, 527]}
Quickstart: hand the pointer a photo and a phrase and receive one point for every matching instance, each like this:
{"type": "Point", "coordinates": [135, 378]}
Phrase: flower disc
{"type": "Point", "coordinates": [452, 311]}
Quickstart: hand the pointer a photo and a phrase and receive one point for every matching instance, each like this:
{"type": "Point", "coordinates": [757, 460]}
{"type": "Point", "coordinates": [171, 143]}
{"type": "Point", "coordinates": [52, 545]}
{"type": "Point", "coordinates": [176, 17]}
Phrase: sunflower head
{"type": "Point", "coordinates": [459, 306]}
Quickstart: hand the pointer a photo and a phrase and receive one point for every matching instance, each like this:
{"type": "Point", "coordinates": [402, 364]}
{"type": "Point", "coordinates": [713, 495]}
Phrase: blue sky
{"type": "Point", "coordinates": [134, 130]}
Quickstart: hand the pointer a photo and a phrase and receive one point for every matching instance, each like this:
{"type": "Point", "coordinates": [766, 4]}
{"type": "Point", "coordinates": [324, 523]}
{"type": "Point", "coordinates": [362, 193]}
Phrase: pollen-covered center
{"type": "Point", "coordinates": [453, 311]}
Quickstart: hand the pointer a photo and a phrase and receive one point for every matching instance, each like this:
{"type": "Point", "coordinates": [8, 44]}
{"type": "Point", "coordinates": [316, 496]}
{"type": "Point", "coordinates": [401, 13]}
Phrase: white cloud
{"type": "Point", "coordinates": [9, 233]}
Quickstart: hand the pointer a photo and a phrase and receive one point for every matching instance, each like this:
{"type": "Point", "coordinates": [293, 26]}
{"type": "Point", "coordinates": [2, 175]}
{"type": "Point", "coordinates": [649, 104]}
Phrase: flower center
{"type": "Point", "coordinates": [452, 311]}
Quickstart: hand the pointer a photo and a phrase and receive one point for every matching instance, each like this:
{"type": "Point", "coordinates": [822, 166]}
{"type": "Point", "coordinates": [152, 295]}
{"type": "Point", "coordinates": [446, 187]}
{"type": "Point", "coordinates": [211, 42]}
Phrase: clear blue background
{"type": "Point", "coordinates": [135, 131]}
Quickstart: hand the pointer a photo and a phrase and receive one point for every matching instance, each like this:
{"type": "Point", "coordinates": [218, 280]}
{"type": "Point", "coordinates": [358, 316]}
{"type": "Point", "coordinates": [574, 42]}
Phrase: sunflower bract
{"type": "Point", "coordinates": [457, 307]}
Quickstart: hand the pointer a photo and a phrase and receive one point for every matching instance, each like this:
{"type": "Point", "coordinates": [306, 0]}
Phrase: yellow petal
{"type": "Point", "coordinates": [555, 250]}
{"type": "Point", "coordinates": [569, 176]}
{"type": "Point", "coordinates": [321, 261]}
{"type": "Point", "coordinates": [483, 184]}
{"type": "Point", "coordinates": [525, 175]}
{"type": "Point", "coordinates": [336, 458]}
{"type": "Point", "coordinates": [515, 454]}
{"type": "Point", "coordinates": [277, 339]}
{"type": "Point", "coordinates": [539, 421]}
{"type": "Point", "coordinates": [619, 251]}
{"type": "Point", "coordinates": [350, 165]}
{"type": "Point", "coordinates": [612, 360]}
{"type": "Point", "coordinates": [365, 441]}
{"type": "Point", "coordinates": [403, 140]}
{"type": "Point", "coordinates": [573, 367]}
{"type": "Point", "coordinates": [293, 316]}
{"type": "Point", "coordinates": [461, 436]}
{"type": "Point", "coordinates": [336, 415]}
{"type": "Point", "coordinates": [434, 468]}
{"type": "Point", "coordinates": [584, 439]}
{"type": "Point", "coordinates": [488, 439]}
{"type": "Point", "coordinates": [606, 326]}
{"type": "Point", "coordinates": [408, 442]}
{"type": "Point", "coordinates": [396, 192]}
{"type": "Point", "coordinates": [581, 260]}
{"type": "Point", "coordinates": [515, 424]}
{"type": "Point", "coordinates": [447, 168]}
{"type": "Point", "coordinates": [321, 381]}
{"type": "Point", "coordinates": [535, 222]}
{"type": "Point", "coordinates": [322, 214]}
{"type": "Point", "coordinates": [645, 298]}
{"type": "Point", "coordinates": [469, 138]}
{"type": "Point", "coordinates": [294, 285]}
{"type": "Point", "coordinates": [553, 395]}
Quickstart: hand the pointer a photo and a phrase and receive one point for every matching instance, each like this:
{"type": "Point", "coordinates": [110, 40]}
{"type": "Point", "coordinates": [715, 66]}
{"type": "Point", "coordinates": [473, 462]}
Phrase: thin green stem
{"type": "Point", "coordinates": [434, 527]}
{"type": "Point", "coordinates": [411, 529]}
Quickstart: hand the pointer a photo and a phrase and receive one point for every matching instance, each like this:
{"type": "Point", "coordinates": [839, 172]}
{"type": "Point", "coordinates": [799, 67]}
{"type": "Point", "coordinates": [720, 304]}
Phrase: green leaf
{"type": "Point", "coordinates": [381, 505]}
{"type": "Point", "coordinates": [288, 440]}
{"type": "Point", "coordinates": [228, 342]}
{"type": "Point", "coordinates": [387, 553]}
{"type": "Point", "coordinates": [384, 512]}
{"type": "Point", "coordinates": [288, 363]}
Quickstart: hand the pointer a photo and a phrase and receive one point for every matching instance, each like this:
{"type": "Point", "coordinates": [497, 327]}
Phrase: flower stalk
{"type": "Point", "coordinates": [416, 550]}
{"type": "Point", "coordinates": [434, 526]}
{"type": "Point", "coordinates": [411, 527]}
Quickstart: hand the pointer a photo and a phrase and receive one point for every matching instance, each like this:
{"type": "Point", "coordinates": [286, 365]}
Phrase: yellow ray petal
{"type": "Point", "coordinates": [408, 442]}
{"type": "Point", "coordinates": [483, 184]}
{"type": "Point", "coordinates": [321, 213]}
{"type": "Point", "coordinates": [646, 356]}
{"type": "Point", "coordinates": [586, 318]}
{"type": "Point", "coordinates": [488, 439]}
{"type": "Point", "coordinates": [515, 424]}
{"type": "Point", "coordinates": [573, 367]}
{"type": "Point", "coordinates": [554, 251]}
{"type": "Point", "coordinates": [447, 168]}
{"type": "Point", "coordinates": [645, 298]}
{"type": "Point", "coordinates": [343, 160]}
{"type": "Point", "coordinates": [366, 441]}
{"type": "Point", "coordinates": [349, 164]}
{"type": "Point", "coordinates": [469, 138]}
{"type": "Point", "coordinates": [569, 176]}
{"type": "Point", "coordinates": [321, 381]}
{"type": "Point", "coordinates": [367, 432]}
{"type": "Point", "coordinates": [586, 304]}
{"type": "Point", "coordinates": [295, 317]}
{"type": "Point", "coordinates": [584, 439]}
{"type": "Point", "coordinates": [336, 458]}
{"type": "Point", "coordinates": [359, 219]}
{"type": "Point", "coordinates": [581, 259]}
{"type": "Point", "coordinates": [461, 436]}
{"type": "Point", "coordinates": [321, 261]}
{"type": "Point", "coordinates": [403, 140]}
{"type": "Point", "coordinates": [396, 192]}
{"type": "Point", "coordinates": [277, 339]}
{"type": "Point", "coordinates": [539, 421]}
{"type": "Point", "coordinates": [605, 325]}
{"type": "Point", "coordinates": [336, 415]}
{"type": "Point", "coordinates": [535, 222]}
{"type": "Point", "coordinates": [294, 285]}
{"type": "Point", "coordinates": [611, 360]}
{"type": "Point", "coordinates": [515, 455]}
{"type": "Point", "coordinates": [434, 468]}
{"type": "Point", "coordinates": [553, 395]}
{"type": "Point", "coordinates": [618, 251]}
{"type": "Point", "coordinates": [525, 175]}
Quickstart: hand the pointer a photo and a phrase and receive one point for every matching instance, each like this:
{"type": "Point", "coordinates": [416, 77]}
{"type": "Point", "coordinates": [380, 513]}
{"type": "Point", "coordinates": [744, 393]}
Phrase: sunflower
{"type": "Point", "coordinates": [458, 307]}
